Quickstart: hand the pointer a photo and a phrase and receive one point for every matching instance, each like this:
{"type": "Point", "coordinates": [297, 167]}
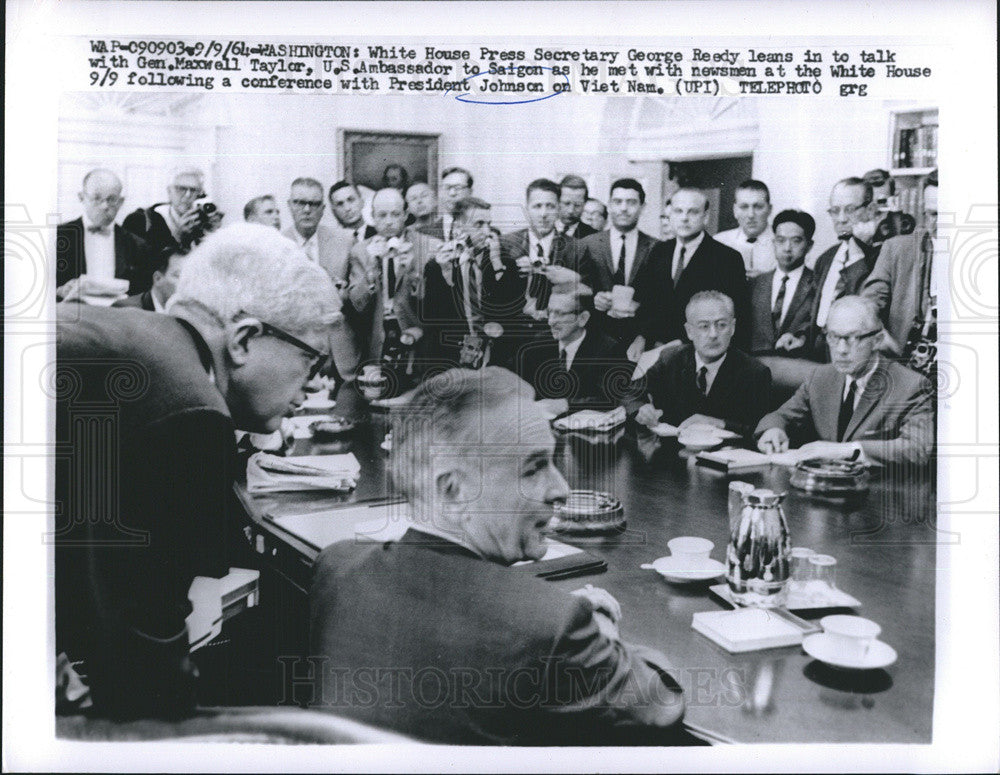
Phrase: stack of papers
{"type": "Point", "coordinates": [747, 629]}
{"type": "Point", "coordinates": [735, 459]}
{"type": "Point", "coordinates": [270, 473]}
{"type": "Point", "coordinates": [589, 420]}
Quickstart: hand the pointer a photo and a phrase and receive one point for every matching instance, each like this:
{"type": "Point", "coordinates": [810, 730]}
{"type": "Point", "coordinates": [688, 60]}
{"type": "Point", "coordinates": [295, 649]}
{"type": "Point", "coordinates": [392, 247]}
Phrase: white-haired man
{"type": "Point", "coordinates": [474, 455]}
{"type": "Point", "coordinates": [149, 419]}
{"type": "Point", "coordinates": [176, 223]}
{"type": "Point", "coordinates": [860, 404]}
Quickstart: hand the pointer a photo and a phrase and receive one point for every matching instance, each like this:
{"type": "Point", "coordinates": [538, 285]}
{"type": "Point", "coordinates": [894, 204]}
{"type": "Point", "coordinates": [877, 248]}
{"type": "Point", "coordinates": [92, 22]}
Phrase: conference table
{"type": "Point", "coordinates": [884, 543]}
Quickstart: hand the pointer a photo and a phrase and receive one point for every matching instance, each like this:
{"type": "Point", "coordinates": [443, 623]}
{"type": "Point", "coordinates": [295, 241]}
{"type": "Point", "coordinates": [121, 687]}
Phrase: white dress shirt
{"type": "Point", "coordinates": [545, 242]}
{"type": "Point", "coordinates": [631, 244]}
{"type": "Point", "coordinates": [712, 370]}
{"type": "Point", "coordinates": [689, 250]}
{"type": "Point", "coordinates": [758, 256]}
{"type": "Point", "coordinates": [570, 350]}
{"type": "Point", "coordinates": [793, 282]}
{"type": "Point", "coordinates": [861, 382]}
{"type": "Point", "coordinates": [99, 251]}
{"type": "Point", "coordinates": [853, 253]}
{"type": "Point", "coordinates": [309, 246]}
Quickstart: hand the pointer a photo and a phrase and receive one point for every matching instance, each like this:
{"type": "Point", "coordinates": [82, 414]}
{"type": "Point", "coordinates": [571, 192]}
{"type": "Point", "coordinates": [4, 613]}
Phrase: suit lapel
{"type": "Point", "coordinates": [762, 303]}
{"type": "Point", "coordinates": [605, 254]}
{"type": "Point", "coordinates": [869, 399]}
{"type": "Point", "coordinates": [722, 379]}
{"type": "Point", "coordinates": [642, 248]}
{"type": "Point", "coordinates": [798, 300]}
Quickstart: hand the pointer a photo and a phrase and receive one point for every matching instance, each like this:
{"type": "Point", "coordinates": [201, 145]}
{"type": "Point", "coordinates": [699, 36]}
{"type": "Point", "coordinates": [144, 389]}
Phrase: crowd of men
{"type": "Point", "coordinates": [235, 320]}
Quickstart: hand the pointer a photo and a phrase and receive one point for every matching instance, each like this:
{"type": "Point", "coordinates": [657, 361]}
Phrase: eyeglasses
{"type": "Point", "coordinates": [848, 210]}
{"type": "Point", "coordinates": [722, 326]}
{"type": "Point", "coordinates": [302, 204]}
{"type": "Point", "coordinates": [851, 340]}
{"type": "Point", "coordinates": [319, 359]}
{"type": "Point", "coordinates": [455, 188]}
{"type": "Point", "coordinates": [107, 200]}
{"type": "Point", "coordinates": [187, 190]}
{"type": "Point", "coordinates": [557, 313]}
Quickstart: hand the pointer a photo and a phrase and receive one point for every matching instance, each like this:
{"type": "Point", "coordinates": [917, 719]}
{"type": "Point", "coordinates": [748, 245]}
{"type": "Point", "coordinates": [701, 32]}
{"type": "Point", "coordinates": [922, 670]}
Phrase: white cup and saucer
{"type": "Point", "coordinates": [623, 304]}
{"type": "Point", "coordinates": [372, 382]}
{"type": "Point", "coordinates": [849, 642]}
{"type": "Point", "coordinates": [688, 561]}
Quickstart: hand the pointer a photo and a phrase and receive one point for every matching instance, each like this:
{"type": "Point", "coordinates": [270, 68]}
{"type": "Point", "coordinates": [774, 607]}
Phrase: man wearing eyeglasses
{"type": "Point", "coordinates": [456, 184]}
{"type": "Point", "coordinates": [144, 497]}
{"type": "Point", "coordinates": [842, 269]}
{"type": "Point", "coordinates": [705, 382]}
{"type": "Point", "coordinates": [177, 223]}
{"type": "Point", "coordinates": [860, 405]}
{"type": "Point", "coordinates": [94, 245]}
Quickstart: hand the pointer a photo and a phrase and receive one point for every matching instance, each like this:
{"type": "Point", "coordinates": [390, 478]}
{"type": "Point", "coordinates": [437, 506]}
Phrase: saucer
{"type": "Point", "coordinates": [820, 646]}
{"type": "Point", "coordinates": [686, 572]}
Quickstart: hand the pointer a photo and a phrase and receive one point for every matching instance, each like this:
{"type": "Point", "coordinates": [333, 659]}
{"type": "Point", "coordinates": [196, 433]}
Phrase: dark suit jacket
{"type": "Point", "coordinates": [132, 256]}
{"type": "Point", "coordinates": [895, 285]}
{"type": "Point", "coordinates": [853, 280]}
{"type": "Point", "coordinates": [739, 394]}
{"type": "Point", "coordinates": [796, 321]}
{"type": "Point", "coordinates": [713, 267]}
{"type": "Point", "coordinates": [140, 300]}
{"type": "Point", "coordinates": [893, 420]}
{"type": "Point", "coordinates": [433, 229]}
{"type": "Point", "coordinates": [582, 230]}
{"type": "Point", "coordinates": [598, 377]}
{"type": "Point", "coordinates": [426, 638]}
{"type": "Point", "coordinates": [149, 225]}
{"type": "Point", "coordinates": [597, 268]}
{"type": "Point", "coordinates": [515, 244]}
{"type": "Point", "coordinates": [144, 502]}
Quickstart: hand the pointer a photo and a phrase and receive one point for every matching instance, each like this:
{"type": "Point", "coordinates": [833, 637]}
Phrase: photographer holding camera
{"type": "Point", "coordinates": [181, 222]}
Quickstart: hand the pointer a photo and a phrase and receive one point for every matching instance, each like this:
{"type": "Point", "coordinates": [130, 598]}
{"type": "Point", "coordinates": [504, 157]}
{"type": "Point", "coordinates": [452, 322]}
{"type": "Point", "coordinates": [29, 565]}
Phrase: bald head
{"type": "Point", "coordinates": [388, 212]}
{"type": "Point", "coordinates": [101, 197]}
{"type": "Point", "coordinates": [857, 311]}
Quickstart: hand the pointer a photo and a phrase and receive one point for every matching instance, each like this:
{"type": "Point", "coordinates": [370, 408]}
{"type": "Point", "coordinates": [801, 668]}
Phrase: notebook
{"type": "Point", "coordinates": [747, 629]}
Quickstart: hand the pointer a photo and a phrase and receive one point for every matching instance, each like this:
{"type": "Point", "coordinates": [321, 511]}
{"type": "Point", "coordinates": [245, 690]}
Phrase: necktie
{"type": "Point", "coordinates": [703, 380]}
{"type": "Point", "coordinates": [841, 287]}
{"type": "Point", "coordinates": [751, 240]}
{"type": "Point", "coordinates": [536, 285]}
{"type": "Point", "coordinates": [105, 230]}
{"type": "Point", "coordinates": [846, 410]}
{"type": "Point", "coordinates": [680, 266]}
{"type": "Point", "coordinates": [390, 277]}
{"type": "Point", "coordinates": [563, 360]}
{"type": "Point", "coordinates": [779, 304]}
{"type": "Point", "coordinates": [620, 269]}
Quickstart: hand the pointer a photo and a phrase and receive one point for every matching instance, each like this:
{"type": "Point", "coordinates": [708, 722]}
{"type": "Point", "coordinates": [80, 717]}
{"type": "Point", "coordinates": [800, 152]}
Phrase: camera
{"type": "Point", "coordinates": [208, 215]}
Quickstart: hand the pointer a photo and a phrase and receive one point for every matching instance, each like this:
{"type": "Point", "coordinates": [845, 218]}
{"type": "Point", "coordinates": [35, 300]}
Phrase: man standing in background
{"type": "Point", "coordinates": [456, 184]}
{"type": "Point", "coordinates": [177, 223]}
{"type": "Point", "coordinates": [263, 210]}
{"type": "Point", "coordinates": [95, 245]}
{"type": "Point", "coordinates": [753, 237]}
{"type": "Point", "coordinates": [595, 214]}
{"type": "Point", "coordinates": [573, 197]}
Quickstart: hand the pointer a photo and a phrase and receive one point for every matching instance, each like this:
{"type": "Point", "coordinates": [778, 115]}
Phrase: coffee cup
{"type": "Point", "coordinates": [852, 636]}
{"type": "Point", "coordinates": [621, 298]}
{"type": "Point", "coordinates": [371, 373]}
{"type": "Point", "coordinates": [690, 550]}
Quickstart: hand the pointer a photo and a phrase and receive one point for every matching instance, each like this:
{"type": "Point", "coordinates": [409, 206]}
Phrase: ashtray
{"type": "Point", "coordinates": [335, 426]}
{"type": "Point", "coordinates": [588, 511]}
{"type": "Point", "coordinates": [830, 476]}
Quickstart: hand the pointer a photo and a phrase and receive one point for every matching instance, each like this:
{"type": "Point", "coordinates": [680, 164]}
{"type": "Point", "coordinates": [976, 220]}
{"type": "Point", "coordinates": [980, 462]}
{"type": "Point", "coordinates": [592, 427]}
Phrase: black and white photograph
{"type": "Point", "coordinates": [506, 398]}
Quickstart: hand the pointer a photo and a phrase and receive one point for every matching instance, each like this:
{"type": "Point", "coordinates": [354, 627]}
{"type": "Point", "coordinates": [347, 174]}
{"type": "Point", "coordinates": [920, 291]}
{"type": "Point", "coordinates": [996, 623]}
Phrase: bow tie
{"type": "Point", "coordinates": [751, 240]}
{"type": "Point", "coordinates": [105, 230]}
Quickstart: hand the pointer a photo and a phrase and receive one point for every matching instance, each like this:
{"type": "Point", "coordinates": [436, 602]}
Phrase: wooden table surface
{"type": "Point", "coordinates": [884, 544]}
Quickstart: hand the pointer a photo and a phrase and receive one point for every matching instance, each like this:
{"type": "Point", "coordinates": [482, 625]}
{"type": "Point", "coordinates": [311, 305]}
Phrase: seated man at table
{"type": "Point", "coordinates": [145, 494]}
{"type": "Point", "coordinates": [707, 381]}
{"type": "Point", "coordinates": [435, 636]}
{"type": "Point", "coordinates": [860, 404]}
{"type": "Point", "coordinates": [574, 365]}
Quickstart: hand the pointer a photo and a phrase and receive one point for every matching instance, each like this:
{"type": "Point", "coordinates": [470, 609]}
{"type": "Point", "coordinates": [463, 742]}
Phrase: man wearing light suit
{"type": "Point", "coordinates": [860, 404]}
{"type": "Point", "coordinates": [843, 268]}
{"type": "Point", "coordinates": [900, 283]}
{"type": "Point", "coordinates": [385, 275]}
{"type": "Point", "coordinates": [521, 661]}
{"type": "Point", "coordinates": [620, 256]}
{"type": "Point", "coordinates": [327, 248]}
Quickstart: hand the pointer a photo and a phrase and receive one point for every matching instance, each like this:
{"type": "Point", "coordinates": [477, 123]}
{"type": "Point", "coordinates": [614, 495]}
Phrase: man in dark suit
{"type": "Point", "coordinates": [705, 382]}
{"type": "Point", "coordinates": [860, 404]}
{"type": "Point", "coordinates": [520, 660]}
{"type": "Point", "coordinates": [145, 499]}
{"type": "Point", "coordinates": [595, 214]}
{"type": "Point", "coordinates": [621, 256]}
{"type": "Point", "coordinates": [842, 269]}
{"type": "Point", "coordinates": [459, 287]}
{"type": "Point", "coordinates": [95, 245]}
{"type": "Point", "coordinates": [574, 365]}
{"type": "Point", "coordinates": [900, 282]}
{"type": "Point", "coordinates": [782, 299]}
{"type": "Point", "coordinates": [346, 205]}
{"type": "Point", "coordinates": [166, 274]}
{"type": "Point", "coordinates": [176, 223]}
{"type": "Point", "coordinates": [693, 261]}
{"type": "Point", "coordinates": [573, 197]}
{"type": "Point", "coordinates": [456, 184]}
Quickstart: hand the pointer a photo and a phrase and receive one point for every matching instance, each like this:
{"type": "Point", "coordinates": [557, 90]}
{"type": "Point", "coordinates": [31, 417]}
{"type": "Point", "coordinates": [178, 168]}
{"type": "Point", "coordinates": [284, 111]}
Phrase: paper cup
{"type": "Point", "coordinates": [621, 298]}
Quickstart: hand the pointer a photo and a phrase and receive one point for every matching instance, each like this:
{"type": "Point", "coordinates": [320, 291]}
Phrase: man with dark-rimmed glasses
{"type": "Point", "coordinates": [144, 498]}
{"type": "Point", "coordinates": [859, 406]}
